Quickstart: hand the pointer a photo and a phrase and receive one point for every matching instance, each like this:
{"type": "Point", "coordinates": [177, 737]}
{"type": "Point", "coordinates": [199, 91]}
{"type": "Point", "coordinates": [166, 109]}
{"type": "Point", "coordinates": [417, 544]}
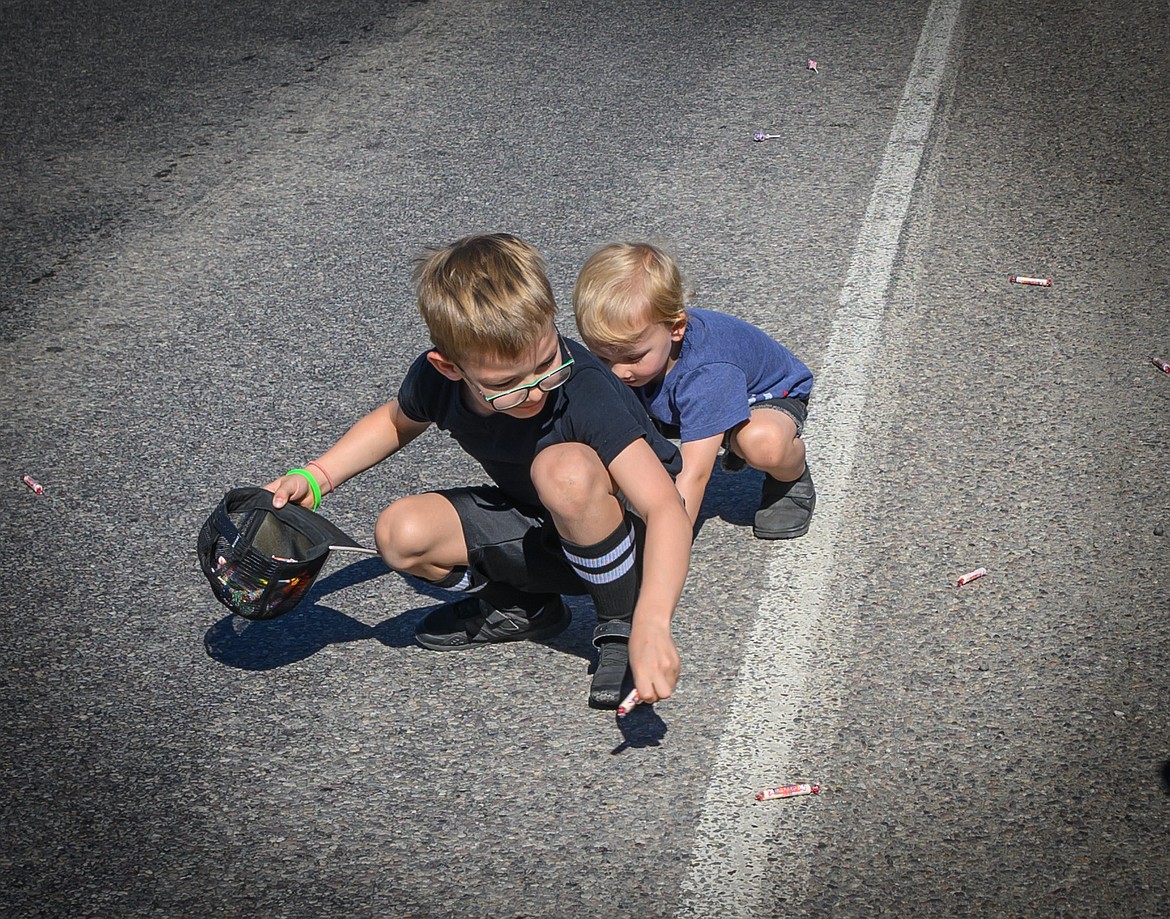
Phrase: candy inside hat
{"type": "Point", "coordinates": [261, 560]}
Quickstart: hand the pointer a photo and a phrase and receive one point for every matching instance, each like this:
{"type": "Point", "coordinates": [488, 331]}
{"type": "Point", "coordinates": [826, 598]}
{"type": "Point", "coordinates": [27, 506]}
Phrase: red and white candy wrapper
{"type": "Point", "coordinates": [628, 703]}
{"type": "Point", "coordinates": [970, 576]}
{"type": "Point", "coordinates": [1160, 364]}
{"type": "Point", "coordinates": [812, 65]}
{"type": "Point", "coordinates": [789, 791]}
{"type": "Point", "coordinates": [1031, 282]}
{"type": "Point", "coordinates": [33, 484]}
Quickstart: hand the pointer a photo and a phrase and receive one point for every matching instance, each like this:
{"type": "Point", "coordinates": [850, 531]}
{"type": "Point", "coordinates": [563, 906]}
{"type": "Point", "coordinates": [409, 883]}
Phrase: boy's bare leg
{"type": "Point", "coordinates": [768, 441]}
{"type": "Point", "coordinates": [576, 489]}
{"type": "Point", "coordinates": [421, 535]}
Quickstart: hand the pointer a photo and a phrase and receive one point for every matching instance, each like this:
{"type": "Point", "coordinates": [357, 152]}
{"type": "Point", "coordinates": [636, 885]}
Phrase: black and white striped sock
{"type": "Point", "coordinates": [610, 572]}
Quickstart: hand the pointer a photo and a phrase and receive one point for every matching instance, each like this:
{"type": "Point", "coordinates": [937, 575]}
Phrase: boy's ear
{"type": "Point", "coordinates": [445, 367]}
{"type": "Point", "coordinates": [678, 328]}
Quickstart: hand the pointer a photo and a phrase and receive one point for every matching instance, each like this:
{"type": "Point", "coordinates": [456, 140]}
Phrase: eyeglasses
{"type": "Point", "coordinates": [514, 398]}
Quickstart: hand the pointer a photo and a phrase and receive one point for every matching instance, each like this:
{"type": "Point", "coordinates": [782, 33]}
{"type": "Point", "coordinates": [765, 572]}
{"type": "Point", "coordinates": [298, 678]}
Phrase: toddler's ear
{"type": "Point", "coordinates": [445, 367]}
{"type": "Point", "coordinates": [678, 328]}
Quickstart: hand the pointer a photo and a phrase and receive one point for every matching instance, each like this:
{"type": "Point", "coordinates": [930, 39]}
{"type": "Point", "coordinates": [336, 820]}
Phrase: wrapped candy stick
{"type": "Point", "coordinates": [789, 791]}
{"type": "Point", "coordinates": [970, 576]}
{"type": "Point", "coordinates": [628, 703]}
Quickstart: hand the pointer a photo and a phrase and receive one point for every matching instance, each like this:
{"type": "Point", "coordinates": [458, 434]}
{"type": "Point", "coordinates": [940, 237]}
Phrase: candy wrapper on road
{"type": "Point", "coordinates": [789, 791]}
{"type": "Point", "coordinates": [971, 576]}
{"type": "Point", "coordinates": [32, 483]}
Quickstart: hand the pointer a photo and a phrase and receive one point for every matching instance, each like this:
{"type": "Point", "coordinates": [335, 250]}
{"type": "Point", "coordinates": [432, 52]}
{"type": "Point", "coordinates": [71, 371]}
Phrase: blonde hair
{"type": "Point", "coordinates": [485, 294]}
{"type": "Point", "coordinates": [622, 289]}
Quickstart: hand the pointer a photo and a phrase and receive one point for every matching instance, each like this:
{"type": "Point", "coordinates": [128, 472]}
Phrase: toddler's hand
{"type": "Point", "coordinates": [654, 661]}
{"type": "Point", "coordinates": [292, 488]}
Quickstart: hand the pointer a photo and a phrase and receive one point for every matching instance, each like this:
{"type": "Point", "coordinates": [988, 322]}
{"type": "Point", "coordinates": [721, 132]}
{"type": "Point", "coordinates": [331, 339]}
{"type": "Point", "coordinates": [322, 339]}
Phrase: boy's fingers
{"type": "Point", "coordinates": [283, 490]}
{"type": "Point", "coordinates": [656, 689]}
{"type": "Point", "coordinates": [658, 692]}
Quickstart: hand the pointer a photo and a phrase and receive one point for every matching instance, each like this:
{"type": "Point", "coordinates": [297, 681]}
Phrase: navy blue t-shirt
{"type": "Point", "coordinates": [593, 407]}
{"type": "Point", "coordinates": [724, 366]}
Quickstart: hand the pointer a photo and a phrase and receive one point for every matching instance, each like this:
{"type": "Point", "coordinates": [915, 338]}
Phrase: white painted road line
{"type": "Point", "coordinates": [739, 843]}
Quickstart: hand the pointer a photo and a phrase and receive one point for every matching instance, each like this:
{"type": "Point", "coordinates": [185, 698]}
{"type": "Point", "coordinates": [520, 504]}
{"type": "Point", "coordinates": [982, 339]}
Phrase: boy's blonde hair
{"type": "Point", "coordinates": [622, 289]}
{"type": "Point", "coordinates": [485, 294]}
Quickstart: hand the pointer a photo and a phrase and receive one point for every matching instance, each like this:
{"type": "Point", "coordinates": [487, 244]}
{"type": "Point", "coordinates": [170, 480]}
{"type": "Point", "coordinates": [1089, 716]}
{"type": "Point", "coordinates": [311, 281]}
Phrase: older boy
{"type": "Point", "coordinates": [568, 448]}
{"type": "Point", "coordinates": [704, 377]}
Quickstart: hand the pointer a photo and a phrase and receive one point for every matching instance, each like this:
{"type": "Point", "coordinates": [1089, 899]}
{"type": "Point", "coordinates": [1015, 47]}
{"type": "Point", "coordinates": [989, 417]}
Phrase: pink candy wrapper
{"type": "Point", "coordinates": [971, 576]}
{"type": "Point", "coordinates": [789, 791]}
{"type": "Point", "coordinates": [628, 704]}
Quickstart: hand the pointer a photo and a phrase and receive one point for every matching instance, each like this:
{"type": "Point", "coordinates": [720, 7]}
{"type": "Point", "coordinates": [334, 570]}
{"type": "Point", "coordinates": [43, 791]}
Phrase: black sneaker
{"type": "Point", "coordinates": [612, 680]}
{"type": "Point", "coordinates": [470, 622]}
{"type": "Point", "coordinates": [785, 508]}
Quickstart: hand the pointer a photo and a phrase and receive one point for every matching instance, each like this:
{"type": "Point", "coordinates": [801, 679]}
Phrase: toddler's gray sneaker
{"type": "Point", "coordinates": [785, 508]}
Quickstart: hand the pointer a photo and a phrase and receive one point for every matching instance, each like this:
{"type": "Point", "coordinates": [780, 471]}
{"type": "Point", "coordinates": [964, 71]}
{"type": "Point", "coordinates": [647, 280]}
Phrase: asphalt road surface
{"type": "Point", "coordinates": [209, 216]}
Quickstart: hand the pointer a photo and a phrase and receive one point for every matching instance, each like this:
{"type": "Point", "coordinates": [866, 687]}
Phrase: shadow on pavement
{"type": "Point", "coordinates": [267, 644]}
{"type": "Point", "coordinates": [732, 497]}
{"type": "Point", "coordinates": [640, 728]}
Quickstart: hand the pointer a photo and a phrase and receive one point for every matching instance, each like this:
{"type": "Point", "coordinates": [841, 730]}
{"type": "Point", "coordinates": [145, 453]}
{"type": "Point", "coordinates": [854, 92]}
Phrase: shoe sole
{"type": "Point", "coordinates": [781, 534]}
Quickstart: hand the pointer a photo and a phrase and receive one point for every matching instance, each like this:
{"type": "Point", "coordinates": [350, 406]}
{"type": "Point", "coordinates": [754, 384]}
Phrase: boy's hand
{"type": "Point", "coordinates": [654, 661]}
{"type": "Point", "coordinates": [292, 488]}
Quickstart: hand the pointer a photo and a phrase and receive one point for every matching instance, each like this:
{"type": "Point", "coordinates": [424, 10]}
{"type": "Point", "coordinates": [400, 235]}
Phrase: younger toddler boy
{"type": "Point", "coordinates": [704, 377]}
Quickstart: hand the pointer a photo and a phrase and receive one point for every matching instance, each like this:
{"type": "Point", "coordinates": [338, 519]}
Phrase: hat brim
{"type": "Point", "coordinates": [323, 534]}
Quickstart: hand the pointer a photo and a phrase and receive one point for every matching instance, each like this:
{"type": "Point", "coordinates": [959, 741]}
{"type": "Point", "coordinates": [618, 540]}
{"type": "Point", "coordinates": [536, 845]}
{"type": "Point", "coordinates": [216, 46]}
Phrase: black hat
{"type": "Point", "coordinates": [261, 560]}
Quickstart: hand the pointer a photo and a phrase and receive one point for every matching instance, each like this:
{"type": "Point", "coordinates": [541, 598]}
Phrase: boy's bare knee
{"type": "Point", "coordinates": [569, 477]}
{"type": "Point", "coordinates": [769, 440]}
{"type": "Point", "coordinates": [402, 535]}
{"type": "Point", "coordinates": [761, 449]}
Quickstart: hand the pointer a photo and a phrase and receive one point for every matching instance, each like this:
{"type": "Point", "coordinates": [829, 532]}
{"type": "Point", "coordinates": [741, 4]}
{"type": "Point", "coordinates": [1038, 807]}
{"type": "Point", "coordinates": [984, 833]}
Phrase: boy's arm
{"type": "Point", "coordinates": [698, 460]}
{"type": "Point", "coordinates": [382, 433]}
{"type": "Point", "coordinates": [648, 487]}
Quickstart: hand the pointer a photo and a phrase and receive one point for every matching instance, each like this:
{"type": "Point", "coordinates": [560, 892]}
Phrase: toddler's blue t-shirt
{"type": "Point", "coordinates": [724, 365]}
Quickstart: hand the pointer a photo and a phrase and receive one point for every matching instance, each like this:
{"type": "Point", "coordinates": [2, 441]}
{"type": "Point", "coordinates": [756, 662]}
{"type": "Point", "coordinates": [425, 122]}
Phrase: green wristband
{"type": "Point", "coordinates": [308, 477]}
